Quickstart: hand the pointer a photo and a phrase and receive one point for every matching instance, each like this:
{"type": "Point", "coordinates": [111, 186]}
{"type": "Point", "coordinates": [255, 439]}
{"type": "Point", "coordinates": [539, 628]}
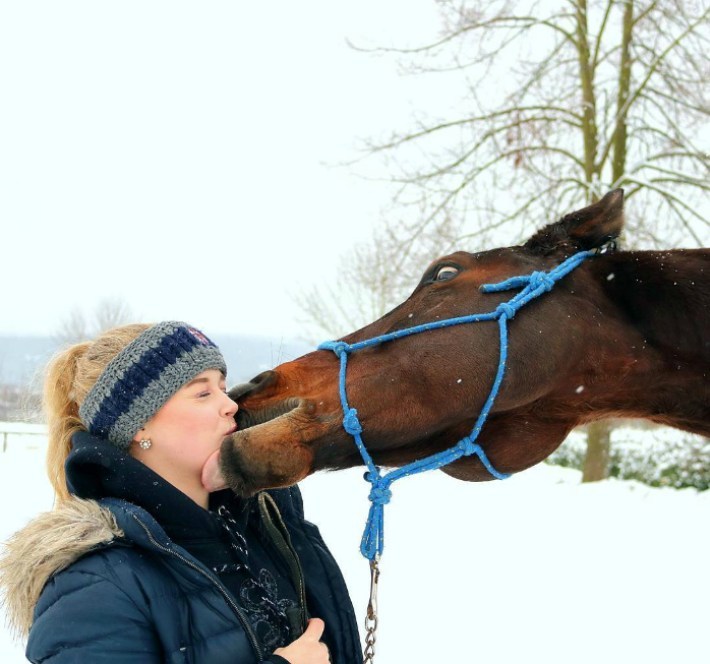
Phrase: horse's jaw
{"type": "Point", "coordinates": [275, 446]}
{"type": "Point", "coordinates": [279, 452]}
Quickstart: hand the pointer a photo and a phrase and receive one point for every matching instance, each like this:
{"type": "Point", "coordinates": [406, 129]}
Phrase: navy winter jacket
{"type": "Point", "coordinates": [100, 581]}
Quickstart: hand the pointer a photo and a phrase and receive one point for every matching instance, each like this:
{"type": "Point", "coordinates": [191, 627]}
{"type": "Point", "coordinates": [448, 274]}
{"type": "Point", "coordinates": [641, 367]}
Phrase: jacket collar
{"type": "Point", "coordinates": [96, 469]}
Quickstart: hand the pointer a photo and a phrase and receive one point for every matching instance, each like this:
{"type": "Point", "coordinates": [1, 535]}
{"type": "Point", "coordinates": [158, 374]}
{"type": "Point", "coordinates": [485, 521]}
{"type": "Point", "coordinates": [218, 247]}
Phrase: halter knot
{"type": "Point", "coordinates": [504, 308]}
{"type": "Point", "coordinates": [380, 495]}
{"type": "Point", "coordinates": [467, 446]}
{"type": "Point", "coordinates": [541, 280]}
{"type": "Point", "coordinates": [338, 347]}
{"type": "Point", "coordinates": [351, 423]}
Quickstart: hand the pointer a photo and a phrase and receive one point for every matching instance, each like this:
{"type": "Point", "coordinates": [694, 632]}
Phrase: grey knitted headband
{"type": "Point", "coordinates": [143, 376]}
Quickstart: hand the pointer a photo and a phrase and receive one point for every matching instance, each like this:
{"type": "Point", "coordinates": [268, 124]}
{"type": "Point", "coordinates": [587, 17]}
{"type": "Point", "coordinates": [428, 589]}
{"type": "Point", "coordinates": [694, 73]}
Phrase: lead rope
{"type": "Point", "coordinates": [533, 286]}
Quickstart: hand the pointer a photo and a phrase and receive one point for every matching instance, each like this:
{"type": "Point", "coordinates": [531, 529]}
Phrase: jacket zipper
{"type": "Point", "coordinates": [217, 584]}
{"type": "Point", "coordinates": [280, 538]}
{"type": "Point", "coordinates": [286, 552]}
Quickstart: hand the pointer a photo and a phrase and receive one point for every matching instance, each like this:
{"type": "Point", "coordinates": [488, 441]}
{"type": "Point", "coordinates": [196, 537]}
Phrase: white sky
{"type": "Point", "coordinates": [176, 154]}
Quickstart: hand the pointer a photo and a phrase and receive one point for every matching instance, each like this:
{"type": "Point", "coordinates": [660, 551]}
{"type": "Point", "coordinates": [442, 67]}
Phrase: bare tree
{"type": "Point", "coordinates": [612, 95]}
{"type": "Point", "coordinates": [372, 277]}
{"type": "Point", "coordinates": [111, 312]}
{"type": "Point", "coordinates": [562, 102]}
{"type": "Point", "coordinates": [72, 329]}
{"type": "Point", "coordinates": [77, 326]}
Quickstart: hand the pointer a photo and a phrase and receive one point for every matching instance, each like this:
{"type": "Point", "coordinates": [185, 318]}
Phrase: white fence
{"type": "Point", "coordinates": [21, 434]}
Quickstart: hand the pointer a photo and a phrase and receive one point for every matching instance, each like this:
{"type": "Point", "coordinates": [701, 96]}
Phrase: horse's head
{"type": "Point", "coordinates": [422, 393]}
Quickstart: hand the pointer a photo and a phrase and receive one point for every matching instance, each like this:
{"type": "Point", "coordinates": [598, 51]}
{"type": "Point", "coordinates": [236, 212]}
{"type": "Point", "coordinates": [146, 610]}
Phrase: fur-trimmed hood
{"type": "Point", "coordinates": [47, 545]}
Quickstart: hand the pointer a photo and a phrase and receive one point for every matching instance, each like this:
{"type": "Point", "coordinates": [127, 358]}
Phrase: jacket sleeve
{"type": "Point", "coordinates": [86, 617]}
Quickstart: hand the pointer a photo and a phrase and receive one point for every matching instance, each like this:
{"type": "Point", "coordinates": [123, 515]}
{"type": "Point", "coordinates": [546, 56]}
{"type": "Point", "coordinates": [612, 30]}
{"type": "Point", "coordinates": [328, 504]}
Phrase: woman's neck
{"type": "Point", "coordinates": [191, 487]}
{"type": "Point", "coordinates": [199, 494]}
{"type": "Point", "coordinates": [189, 484]}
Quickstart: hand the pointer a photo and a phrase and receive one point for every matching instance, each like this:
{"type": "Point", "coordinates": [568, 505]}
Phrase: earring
{"type": "Point", "coordinates": [145, 443]}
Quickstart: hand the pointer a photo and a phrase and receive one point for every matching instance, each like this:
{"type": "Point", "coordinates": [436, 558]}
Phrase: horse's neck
{"type": "Point", "coordinates": [663, 299]}
{"type": "Point", "coordinates": [665, 295]}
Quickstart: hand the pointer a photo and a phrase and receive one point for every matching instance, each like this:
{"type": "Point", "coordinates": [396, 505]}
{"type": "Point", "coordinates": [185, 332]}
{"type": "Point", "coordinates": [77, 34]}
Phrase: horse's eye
{"type": "Point", "coordinates": [445, 273]}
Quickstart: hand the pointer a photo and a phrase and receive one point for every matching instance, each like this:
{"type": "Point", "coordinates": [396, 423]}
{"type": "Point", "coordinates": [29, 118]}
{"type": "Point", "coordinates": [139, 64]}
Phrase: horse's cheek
{"type": "Point", "coordinates": [538, 359]}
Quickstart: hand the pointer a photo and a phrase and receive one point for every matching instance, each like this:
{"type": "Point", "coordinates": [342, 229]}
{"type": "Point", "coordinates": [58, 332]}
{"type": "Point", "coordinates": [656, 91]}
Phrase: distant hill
{"type": "Point", "coordinates": [22, 359]}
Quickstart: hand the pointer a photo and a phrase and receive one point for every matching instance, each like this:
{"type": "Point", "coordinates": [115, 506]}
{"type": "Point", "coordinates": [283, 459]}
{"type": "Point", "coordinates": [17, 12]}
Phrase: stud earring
{"type": "Point", "coordinates": [145, 443]}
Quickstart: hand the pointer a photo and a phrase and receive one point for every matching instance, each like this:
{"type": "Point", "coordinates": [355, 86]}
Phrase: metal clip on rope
{"type": "Point", "coordinates": [371, 617]}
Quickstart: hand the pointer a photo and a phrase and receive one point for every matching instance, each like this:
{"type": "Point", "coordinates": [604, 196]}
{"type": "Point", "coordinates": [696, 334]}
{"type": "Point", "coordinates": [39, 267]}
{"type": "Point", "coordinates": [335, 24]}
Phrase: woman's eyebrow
{"type": "Point", "coordinates": [198, 380]}
{"type": "Point", "coordinates": [203, 379]}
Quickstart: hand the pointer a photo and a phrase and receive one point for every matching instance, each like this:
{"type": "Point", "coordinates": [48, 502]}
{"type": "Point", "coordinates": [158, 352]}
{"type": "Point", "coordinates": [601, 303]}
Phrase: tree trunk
{"type": "Point", "coordinates": [596, 463]}
{"type": "Point", "coordinates": [589, 103]}
{"type": "Point", "coordinates": [622, 110]}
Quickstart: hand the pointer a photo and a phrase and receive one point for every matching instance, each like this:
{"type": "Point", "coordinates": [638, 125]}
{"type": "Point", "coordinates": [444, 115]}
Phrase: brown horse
{"type": "Point", "coordinates": [627, 334]}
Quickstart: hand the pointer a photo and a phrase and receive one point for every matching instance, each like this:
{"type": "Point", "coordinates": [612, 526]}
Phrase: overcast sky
{"type": "Point", "coordinates": [179, 155]}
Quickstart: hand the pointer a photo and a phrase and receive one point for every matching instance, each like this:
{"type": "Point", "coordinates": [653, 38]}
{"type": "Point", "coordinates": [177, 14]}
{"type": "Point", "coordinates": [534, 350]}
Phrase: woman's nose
{"type": "Point", "coordinates": [230, 407]}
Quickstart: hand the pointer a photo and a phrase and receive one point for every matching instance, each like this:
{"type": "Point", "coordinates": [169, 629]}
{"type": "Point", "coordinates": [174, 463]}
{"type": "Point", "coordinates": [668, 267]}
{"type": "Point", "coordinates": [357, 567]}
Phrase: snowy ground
{"type": "Point", "coordinates": [534, 569]}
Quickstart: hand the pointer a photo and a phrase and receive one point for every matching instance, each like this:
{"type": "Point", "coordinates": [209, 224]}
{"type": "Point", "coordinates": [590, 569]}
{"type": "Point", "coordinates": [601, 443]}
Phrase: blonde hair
{"type": "Point", "coordinates": [69, 377]}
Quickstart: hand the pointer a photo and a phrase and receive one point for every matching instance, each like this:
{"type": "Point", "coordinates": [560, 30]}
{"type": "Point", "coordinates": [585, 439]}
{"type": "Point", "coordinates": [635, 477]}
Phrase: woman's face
{"type": "Point", "coordinates": [188, 428]}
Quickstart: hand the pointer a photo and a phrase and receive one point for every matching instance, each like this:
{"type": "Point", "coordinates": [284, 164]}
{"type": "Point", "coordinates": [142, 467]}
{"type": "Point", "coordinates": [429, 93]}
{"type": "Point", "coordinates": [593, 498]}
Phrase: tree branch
{"type": "Point", "coordinates": [662, 56]}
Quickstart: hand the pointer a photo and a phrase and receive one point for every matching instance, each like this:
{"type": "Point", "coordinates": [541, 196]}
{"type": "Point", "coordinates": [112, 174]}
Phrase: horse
{"type": "Point", "coordinates": [625, 335]}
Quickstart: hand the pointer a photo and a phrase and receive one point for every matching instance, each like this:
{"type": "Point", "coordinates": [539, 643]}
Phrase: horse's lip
{"type": "Point", "coordinates": [250, 417]}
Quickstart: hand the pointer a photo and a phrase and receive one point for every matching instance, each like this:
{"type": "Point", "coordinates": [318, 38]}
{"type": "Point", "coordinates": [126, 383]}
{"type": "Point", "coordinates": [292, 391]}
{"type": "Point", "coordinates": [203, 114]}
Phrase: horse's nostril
{"type": "Point", "coordinates": [244, 419]}
{"type": "Point", "coordinates": [264, 378]}
{"type": "Point", "coordinates": [254, 385]}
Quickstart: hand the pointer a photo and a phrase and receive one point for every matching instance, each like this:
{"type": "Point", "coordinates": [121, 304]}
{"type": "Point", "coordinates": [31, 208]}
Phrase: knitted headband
{"type": "Point", "coordinates": [143, 376]}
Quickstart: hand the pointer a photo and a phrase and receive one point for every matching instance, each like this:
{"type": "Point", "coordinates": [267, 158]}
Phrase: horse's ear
{"type": "Point", "coordinates": [587, 228]}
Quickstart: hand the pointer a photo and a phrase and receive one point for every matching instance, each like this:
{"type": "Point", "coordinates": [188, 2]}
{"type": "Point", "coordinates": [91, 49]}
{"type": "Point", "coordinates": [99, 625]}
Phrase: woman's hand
{"type": "Point", "coordinates": [307, 649]}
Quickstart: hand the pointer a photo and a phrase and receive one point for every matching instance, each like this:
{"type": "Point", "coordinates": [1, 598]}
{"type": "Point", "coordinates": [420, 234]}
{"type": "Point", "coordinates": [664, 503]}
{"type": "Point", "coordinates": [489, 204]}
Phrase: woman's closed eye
{"type": "Point", "coordinates": [207, 393]}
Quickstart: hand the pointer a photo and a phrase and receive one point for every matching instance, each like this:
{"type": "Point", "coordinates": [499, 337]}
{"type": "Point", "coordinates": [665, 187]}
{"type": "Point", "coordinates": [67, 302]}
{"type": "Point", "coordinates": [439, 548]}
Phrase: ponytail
{"type": "Point", "coordinates": [69, 377]}
{"type": "Point", "coordinates": [62, 413]}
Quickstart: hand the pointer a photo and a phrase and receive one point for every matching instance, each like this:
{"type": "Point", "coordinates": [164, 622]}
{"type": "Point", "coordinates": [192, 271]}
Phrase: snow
{"type": "Point", "coordinates": [659, 456]}
{"type": "Point", "coordinates": [537, 568]}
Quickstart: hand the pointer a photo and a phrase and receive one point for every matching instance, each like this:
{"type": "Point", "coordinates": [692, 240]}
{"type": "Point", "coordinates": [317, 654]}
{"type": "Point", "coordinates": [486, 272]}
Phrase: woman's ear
{"type": "Point", "coordinates": [141, 434]}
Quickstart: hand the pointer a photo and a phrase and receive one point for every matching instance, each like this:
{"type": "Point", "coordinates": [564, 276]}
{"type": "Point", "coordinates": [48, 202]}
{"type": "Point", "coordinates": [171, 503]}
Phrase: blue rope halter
{"type": "Point", "coordinates": [533, 285]}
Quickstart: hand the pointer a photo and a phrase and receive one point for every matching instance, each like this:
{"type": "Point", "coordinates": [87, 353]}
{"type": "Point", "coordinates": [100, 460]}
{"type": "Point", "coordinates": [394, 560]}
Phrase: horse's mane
{"type": "Point", "coordinates": [665, 294]}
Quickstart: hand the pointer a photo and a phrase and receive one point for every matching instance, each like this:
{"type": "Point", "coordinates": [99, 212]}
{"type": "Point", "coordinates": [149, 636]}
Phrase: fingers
{"type": "Point", "coordinates": [308, 648]}
{"type": "Point", "coordinates": [315, 629]}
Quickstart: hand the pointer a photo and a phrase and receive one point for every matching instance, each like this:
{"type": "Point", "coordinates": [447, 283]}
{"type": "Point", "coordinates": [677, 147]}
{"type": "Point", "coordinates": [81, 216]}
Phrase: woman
{"type": "Point", "coordinates": [138, 562]}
